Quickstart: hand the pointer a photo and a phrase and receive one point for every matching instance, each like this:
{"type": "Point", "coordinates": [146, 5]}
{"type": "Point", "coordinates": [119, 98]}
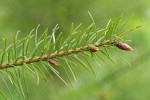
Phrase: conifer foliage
{"type": "Point", "coordinates": [53, 49]}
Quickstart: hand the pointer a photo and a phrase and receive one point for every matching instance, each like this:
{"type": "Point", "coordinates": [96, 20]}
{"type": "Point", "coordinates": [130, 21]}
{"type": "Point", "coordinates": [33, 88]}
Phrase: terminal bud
{"type": "Point", "coordinates": [124, 46]}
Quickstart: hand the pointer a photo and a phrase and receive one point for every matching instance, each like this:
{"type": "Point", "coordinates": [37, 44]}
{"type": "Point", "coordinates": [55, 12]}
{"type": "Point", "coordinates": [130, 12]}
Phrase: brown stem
{"type": "Point", "coordinates": [54, 55]}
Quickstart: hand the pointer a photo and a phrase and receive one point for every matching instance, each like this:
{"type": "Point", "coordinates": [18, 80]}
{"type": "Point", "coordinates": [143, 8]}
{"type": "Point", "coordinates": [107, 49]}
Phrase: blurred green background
{"type": "Point", "coordinates": [110, 83]}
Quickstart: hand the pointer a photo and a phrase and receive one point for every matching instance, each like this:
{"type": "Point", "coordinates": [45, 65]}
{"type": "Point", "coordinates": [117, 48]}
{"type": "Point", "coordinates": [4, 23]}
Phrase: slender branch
{"type": "Point", "coordinates": [54, 55]}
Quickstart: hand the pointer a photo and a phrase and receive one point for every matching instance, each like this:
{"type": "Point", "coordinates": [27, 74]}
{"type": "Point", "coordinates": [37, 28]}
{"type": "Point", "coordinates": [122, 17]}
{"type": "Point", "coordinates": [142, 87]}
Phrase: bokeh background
{"type": "Point", "coordinates": [110, 83]}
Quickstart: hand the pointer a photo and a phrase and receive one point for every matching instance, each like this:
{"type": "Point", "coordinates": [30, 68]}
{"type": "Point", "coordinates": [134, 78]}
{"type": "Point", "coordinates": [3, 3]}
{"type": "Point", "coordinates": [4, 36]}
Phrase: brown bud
{"type": "Point", "coordinates": [124, 46]}
{"type": "Point", "coordinates": [94, 49]}
{"type": "Point", "coordinates": [52, 62]}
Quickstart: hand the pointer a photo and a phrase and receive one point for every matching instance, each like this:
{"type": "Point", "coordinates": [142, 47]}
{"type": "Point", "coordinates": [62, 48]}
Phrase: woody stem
{"type": "Point", "coordinates": [54, 55]}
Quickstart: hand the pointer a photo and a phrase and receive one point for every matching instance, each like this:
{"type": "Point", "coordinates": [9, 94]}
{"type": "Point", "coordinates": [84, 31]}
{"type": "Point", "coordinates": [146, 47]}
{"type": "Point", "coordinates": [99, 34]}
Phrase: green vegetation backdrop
{"type": "Point", "coordinates": [110, 83]}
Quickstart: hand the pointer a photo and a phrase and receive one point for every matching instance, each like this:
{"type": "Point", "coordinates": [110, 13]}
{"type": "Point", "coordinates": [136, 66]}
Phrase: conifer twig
{"type": "Point", "coordinates": [54, 55]}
